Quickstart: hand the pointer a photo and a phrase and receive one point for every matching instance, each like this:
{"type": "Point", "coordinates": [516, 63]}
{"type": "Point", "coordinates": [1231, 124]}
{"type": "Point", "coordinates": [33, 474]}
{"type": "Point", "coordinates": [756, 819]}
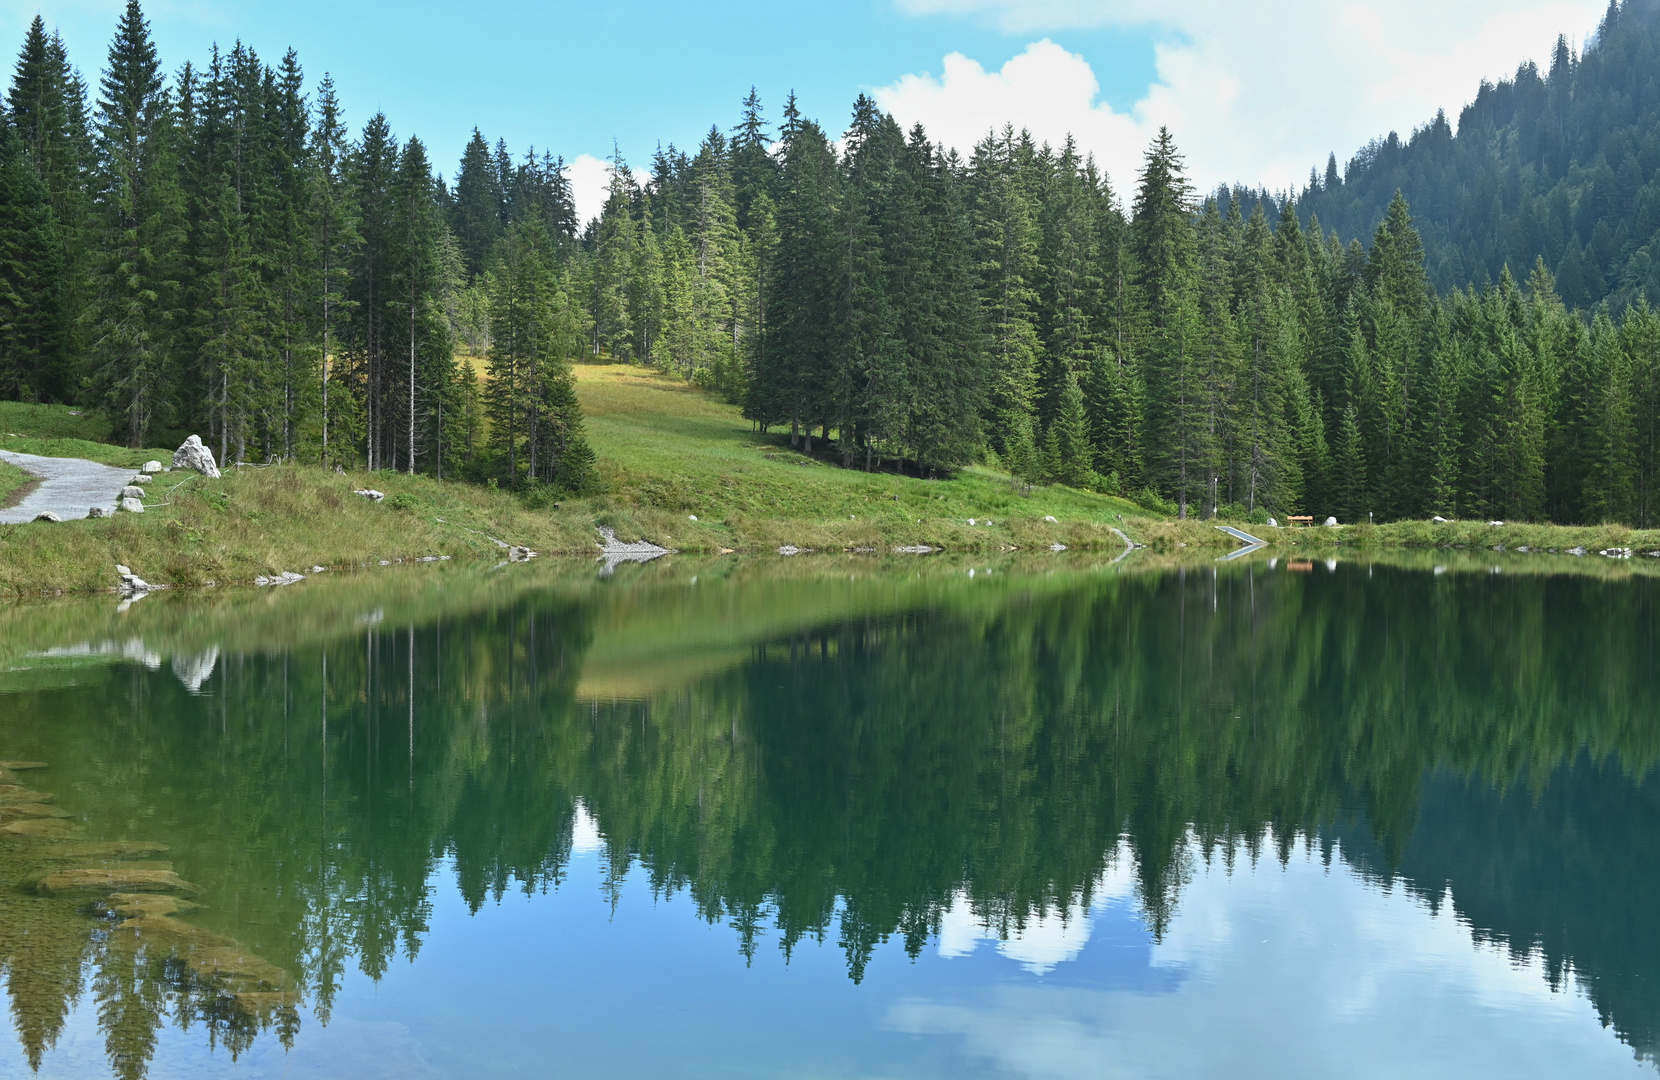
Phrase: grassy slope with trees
{"type": "Point", "coordinates": [217, 253]}
{"type": "Point", "coordinates": [667, 452]}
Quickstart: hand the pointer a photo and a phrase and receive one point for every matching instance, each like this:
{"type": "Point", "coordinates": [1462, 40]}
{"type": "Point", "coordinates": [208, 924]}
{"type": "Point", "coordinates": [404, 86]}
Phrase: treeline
{"type": "Point", "coordinates": [906, 305]}
{"type": "Point", "coordinates": [1561, 164]}
{"type": "Point", "coordinates": [216, 252]}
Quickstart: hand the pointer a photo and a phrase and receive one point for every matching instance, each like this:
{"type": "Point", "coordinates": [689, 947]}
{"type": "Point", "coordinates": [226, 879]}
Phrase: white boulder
{"type": "Point", "coordinates": [193, 455]}
{"type": "Point", "coordinates": [131, 492]}
{"type": "Point", "coordinates": [1050, 519]}
{"type": "Point", "coordinates": [132, 506]}
{"type": "Point", "coordinates": [141, 478]}
{"type": "Point", "coordinates": [371, 494]}
{"type": "Point", "coordinates": [152, 467]}
{"type": "Point", "coordinates": [1331, 521]}
{"type": "Point", "coordinates": [47, 515]}
{"type": "Point", "coordinates": [1273, 523]}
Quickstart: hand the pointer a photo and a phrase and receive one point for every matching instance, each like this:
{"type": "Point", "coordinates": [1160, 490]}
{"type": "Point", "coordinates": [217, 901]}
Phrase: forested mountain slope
{"type": "Point", "coordinates": [1563, 165]}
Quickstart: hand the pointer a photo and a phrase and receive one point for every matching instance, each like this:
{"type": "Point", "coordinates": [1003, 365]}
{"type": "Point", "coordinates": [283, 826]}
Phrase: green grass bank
{"type": "Point", "coordinates": [681, 468]}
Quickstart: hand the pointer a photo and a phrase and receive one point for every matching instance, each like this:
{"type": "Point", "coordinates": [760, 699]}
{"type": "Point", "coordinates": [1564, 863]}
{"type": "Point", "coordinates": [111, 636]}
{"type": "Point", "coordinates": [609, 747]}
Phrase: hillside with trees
{"type": "Point", "coordinates": [1559, 165]}
{"type": "Point", "coordinates": [219, 253]}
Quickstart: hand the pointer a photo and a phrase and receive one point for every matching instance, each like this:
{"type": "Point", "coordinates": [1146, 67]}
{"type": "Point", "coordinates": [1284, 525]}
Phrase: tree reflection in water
{"type": "Point", "coordinates": [854, 771]}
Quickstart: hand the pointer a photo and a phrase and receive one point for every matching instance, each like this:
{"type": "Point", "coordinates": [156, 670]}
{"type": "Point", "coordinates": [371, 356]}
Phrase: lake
{"type": "Point", "coordinates": [840, 817]}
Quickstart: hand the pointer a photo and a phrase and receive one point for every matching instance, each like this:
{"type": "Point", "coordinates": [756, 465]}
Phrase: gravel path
{"type": "Point", "coordinates": [72, 486]}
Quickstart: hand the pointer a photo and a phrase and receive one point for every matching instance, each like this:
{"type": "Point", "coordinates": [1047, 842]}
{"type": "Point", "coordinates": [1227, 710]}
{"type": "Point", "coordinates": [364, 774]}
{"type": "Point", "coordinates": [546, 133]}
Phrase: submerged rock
{"type": "Point", "coordinates": [32, 810]}
{"type": "Point", "coordinates": [114, 879]}
{"type": "Point", "coordinates": [108, 849]}
{"type": "Point", "coordinates": [97, 512]}
{"type": "Point", "coordinates": [42, 828]}
{"type": "Point", "coordinates": [12, 794]}
{"type": "Point", "coordinates": [135, 904]}
{"type": "Point", "coordinates": [193, 455]}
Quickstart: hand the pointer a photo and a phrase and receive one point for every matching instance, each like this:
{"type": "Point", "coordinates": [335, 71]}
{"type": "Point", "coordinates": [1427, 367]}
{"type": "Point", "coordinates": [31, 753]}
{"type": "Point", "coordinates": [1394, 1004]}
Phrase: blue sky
{"type": "Point", "coordinates": [1255, 93]}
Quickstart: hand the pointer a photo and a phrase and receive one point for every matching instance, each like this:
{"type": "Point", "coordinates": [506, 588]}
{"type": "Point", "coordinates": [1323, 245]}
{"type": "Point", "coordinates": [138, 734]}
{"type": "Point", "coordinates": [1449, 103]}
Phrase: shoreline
{"type": "Point", "coordinates": [263, 522]}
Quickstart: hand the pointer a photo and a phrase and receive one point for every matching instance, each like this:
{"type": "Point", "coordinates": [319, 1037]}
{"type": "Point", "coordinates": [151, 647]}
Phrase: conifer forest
{"type": "Point", "coordinates": [1455, 324]}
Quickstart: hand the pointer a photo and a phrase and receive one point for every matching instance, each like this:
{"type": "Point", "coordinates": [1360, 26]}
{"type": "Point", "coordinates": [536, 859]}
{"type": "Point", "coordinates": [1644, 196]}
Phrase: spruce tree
{"type": "Point", "coordinates": [330, 211]}
{"type": "Point", "coordinates": [1006, 222]}
{"type": "Point", "coordinates": [134, 348]}
{"type": "Point", "coordinates": [33, 366]}
{"type": "Point", "coordinates": [476, 216]}
{"type": "Point", "coordinates": [1177, 412]}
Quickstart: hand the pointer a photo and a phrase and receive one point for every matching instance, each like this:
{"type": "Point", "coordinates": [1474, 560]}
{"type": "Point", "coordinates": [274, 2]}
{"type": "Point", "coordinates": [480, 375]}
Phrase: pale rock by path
{"type": "Point", "coordinates": [193, 455]}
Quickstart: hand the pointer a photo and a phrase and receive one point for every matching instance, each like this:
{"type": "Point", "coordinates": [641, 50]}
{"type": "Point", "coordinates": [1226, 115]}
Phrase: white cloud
{"type": "Point", "coordinates": [585, 835]}
{"type": "Point", "coordinates": [1250, 95]}
{"type": "Point", "coordinates": [1293, 971]}
{"type": "Point", "coordinates": [1041, 942]}
{"type": "Point", "coordinates": [590, 183]}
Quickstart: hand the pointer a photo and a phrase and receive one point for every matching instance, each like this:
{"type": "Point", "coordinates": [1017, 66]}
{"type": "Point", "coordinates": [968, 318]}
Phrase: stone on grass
{"type": "Point", "coordinates": [131, 505]}
{"type": "Point", "coordinates": [131, 492]}
{"type": "Point", "coordinates": [1273, 523]}
{"type": "Point", "coordinates": [789, 549]}
{"type": "Point", "coordinates": [1057, 547]}
{"type": "Point", "coordinates": [1331, 521]}
{"type": "Point", "coordinates": [371, 494]}
{"type": "Point", "coordinates": [47, 515]}
{"type": "Point", "coordinates": [1495, 524]}
{"type": "Point", "coordinates": [1438, 519]}
{"type": "Point", "coordinates": [152, 467]}
{"type": "Point", "coordinates": [193, 455]}
{"type": "Point", "coordinates": [1050, 518]}
{"type": "Point", "coordinates": [141, 478]}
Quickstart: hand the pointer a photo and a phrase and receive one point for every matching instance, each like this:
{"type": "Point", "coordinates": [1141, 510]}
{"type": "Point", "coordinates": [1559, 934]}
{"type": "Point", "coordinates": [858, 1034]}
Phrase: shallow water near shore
{"type": "Point", "coordinates": [838, 817]}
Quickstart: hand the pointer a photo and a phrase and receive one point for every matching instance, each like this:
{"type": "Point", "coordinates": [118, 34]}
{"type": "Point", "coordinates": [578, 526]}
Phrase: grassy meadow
{"type": "Point", "coordinates": [668, 453]}
{"type": "Point", "coordinates": [680, 468]}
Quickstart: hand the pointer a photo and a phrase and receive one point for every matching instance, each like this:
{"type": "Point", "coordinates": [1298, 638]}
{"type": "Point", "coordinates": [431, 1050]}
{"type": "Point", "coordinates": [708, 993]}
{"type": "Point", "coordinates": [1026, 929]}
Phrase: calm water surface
{"type": "Point", "coordinates": [839, 818]}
